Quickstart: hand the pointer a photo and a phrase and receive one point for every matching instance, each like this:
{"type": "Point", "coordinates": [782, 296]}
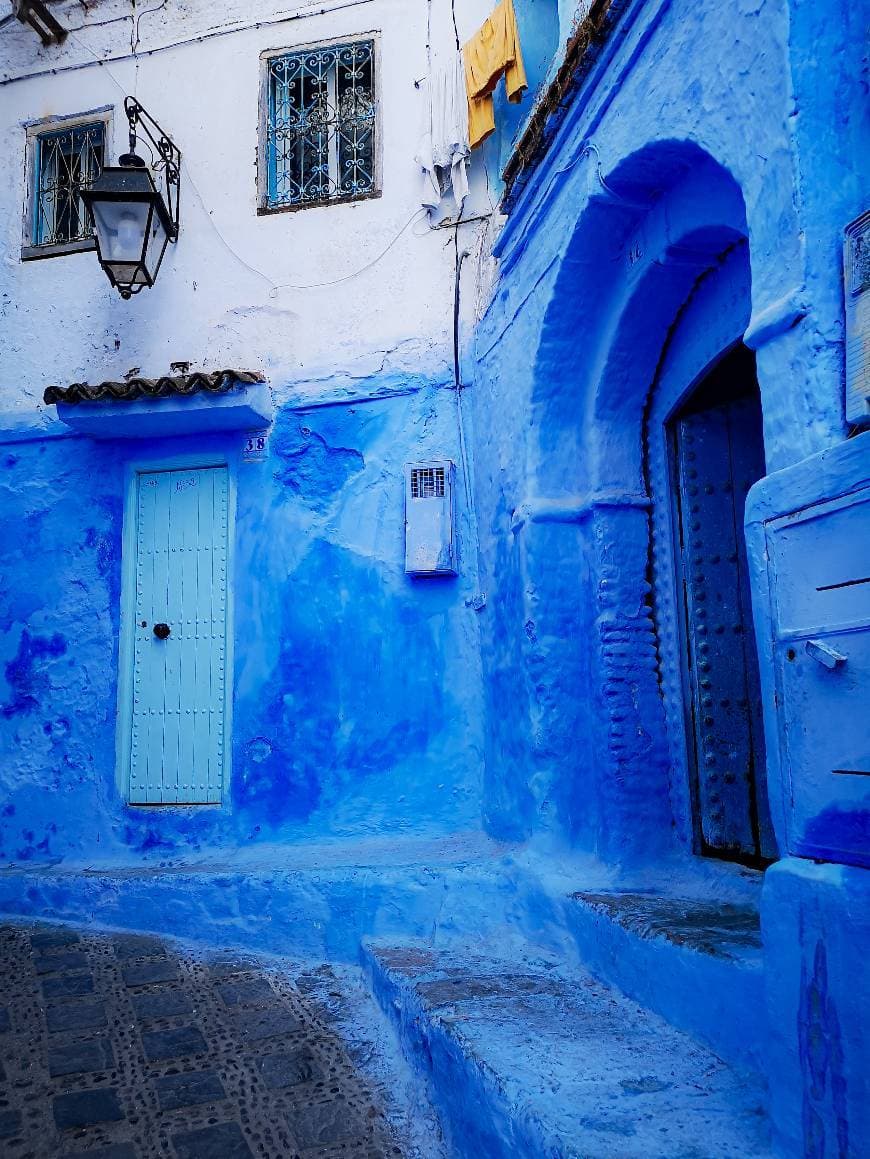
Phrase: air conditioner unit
{"type": "Point", "coordinates": [430, 541]}
{"type": "Point", "coordinates": [856, 260]}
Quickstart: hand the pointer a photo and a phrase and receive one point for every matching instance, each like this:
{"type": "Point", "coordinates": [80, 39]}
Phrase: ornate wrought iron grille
{"type": "Point", "coordinates": [66, 162]}
{"type": "Point", "coordinates": [320, 140]}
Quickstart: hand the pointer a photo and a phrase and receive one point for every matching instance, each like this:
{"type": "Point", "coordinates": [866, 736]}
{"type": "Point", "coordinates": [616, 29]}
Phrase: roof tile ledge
{"type": "Point", "coordinates": [185, 404]}
{"type": "Point", "coordinates": [581, 52]}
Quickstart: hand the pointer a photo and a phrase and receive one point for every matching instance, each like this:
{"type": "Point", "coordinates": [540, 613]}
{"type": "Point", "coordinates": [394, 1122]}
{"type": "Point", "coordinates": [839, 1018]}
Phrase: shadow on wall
{"type": "Point", "coordinates": [336, 664]}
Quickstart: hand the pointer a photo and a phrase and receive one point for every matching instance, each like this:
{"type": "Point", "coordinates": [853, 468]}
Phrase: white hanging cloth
{"type": "Point", "coordinates": [444, 149]}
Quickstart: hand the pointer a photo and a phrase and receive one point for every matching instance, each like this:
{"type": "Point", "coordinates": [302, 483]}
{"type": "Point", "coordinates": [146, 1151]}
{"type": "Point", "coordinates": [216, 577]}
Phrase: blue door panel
{"type": "Point", "coordinates": [719, 455]}
{"type": "Point", "coordinates": [177, 726]}
{"type": "Point", "coordinates": [713, 615]}
{"type": "Point", "coordinates": [820, 561]}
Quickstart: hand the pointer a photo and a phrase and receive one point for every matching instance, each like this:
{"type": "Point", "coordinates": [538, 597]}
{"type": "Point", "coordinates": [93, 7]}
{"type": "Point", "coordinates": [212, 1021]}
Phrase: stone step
{"type": "Point", "coordinates": [696, 961]}
{"type": "Point", "coordinates": [305, 900]}
{"type": "Point", "coordinates": [525, 1059]}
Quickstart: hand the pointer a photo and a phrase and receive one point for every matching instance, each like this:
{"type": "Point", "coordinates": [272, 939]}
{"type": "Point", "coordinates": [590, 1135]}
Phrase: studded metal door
{"type": "Point", "coordinates": [719, 455]}
{"type": "Point", "coordinates": [179, 650]}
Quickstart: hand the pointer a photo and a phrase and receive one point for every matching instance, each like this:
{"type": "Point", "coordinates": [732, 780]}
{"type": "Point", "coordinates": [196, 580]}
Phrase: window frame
{"type": "Point", "coordinates": [34, 130]}
{"type": "Point", "coordinates": [264, 208]}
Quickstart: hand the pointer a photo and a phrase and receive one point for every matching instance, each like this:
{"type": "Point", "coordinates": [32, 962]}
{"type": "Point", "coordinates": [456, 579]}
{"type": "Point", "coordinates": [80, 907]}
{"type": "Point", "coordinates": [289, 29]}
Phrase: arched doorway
{"type": "Point", "coordinates": [654, 285]}
{"type": "Point", "coordinates": [716, 452]}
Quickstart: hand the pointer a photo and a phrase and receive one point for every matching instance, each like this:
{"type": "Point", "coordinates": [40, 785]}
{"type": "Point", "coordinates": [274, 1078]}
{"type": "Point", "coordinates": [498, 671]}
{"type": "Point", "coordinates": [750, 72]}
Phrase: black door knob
{"type": "Point", "coordinates": [161, 631]}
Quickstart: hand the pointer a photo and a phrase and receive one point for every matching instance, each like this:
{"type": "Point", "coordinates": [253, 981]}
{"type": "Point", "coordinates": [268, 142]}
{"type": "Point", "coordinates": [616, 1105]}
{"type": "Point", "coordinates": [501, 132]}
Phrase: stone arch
{"type": "Point", "coordinates": [653, 230]}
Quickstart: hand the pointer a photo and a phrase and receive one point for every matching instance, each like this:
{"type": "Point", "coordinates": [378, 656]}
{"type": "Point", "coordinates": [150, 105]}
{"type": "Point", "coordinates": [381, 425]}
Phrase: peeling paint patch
{"type": "Point", "coordinates": [310, 468]}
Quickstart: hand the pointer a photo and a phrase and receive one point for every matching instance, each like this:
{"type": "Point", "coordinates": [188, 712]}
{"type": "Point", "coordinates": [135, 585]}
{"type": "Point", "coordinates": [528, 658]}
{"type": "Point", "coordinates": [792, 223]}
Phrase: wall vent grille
{"type": "Point", "coordinates": [427, 483]}
{"type": "Point", "coordinates": [430, 542]}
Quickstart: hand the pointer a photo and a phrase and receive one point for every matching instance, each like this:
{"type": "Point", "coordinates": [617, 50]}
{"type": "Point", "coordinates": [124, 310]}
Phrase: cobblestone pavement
{"type": "Point", "coordinates": [121, 1046]}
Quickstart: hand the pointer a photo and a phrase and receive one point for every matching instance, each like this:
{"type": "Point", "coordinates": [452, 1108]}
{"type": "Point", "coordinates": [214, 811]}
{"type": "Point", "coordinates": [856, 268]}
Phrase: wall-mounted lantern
{"type": "Point", "coordinates": [131, 218]}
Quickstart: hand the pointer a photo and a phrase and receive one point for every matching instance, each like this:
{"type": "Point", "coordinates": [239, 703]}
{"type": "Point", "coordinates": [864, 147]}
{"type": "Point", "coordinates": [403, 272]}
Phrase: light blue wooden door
{"type": "Point", "coordinates": [179, 651]}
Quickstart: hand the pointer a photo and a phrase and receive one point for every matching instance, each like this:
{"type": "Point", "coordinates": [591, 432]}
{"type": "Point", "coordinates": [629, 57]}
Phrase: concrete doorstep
{"type": "Point", "coordinates": [696, 961]}
{"type": "Point", "coordinates": [524, 1058]}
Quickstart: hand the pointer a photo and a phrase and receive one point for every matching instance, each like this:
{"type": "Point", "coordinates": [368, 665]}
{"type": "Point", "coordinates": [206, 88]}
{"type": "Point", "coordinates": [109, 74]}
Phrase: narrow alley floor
{"type": "Point", "coordinates": [122, 1046]}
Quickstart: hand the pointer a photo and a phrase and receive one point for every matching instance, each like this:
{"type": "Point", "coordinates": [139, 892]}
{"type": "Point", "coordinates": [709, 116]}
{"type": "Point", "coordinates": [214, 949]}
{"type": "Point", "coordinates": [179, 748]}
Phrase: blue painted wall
{"type": "Point", "coordinates": [693, 195]}
{"type": "Point", "coordinates": [669, 160]}
{"type": "Point", "coordinates": [627, 216]}
{"type": "Point", "coordinates": [356, 688]}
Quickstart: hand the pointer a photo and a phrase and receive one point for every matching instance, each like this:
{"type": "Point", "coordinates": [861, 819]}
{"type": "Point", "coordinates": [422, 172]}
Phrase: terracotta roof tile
{"type": "Point", "coordinates": [215, 382]}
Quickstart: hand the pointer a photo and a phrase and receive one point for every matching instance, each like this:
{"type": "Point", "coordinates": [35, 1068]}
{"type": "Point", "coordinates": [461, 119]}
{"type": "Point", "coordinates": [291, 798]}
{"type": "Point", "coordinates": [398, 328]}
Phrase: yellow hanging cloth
{"type": "Point", "coordinates": [493, 51]}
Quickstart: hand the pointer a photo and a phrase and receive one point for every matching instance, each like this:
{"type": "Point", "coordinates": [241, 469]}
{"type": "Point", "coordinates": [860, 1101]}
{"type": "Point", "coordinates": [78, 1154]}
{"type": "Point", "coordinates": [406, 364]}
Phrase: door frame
{"type": "Point", "coordinates": [710, 324]}
{"type": "Point", "coordinates": [123, 724]}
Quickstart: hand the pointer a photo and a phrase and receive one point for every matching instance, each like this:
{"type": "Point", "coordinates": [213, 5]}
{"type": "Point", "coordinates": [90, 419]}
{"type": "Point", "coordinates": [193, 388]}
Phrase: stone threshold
{"type": "Point", "coordinates": [695, 956]}
{"type": "Point", "coordinates": [526, 1058]}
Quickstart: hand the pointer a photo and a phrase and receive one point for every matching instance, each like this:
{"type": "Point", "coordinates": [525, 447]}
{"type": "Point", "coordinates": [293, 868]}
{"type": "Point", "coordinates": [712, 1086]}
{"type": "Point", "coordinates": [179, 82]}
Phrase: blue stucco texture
{"type": "Point", "coordinates": [626, 220]}
{"type": "Point", "coordinates": [816, 933]}
{"type": "Point", "coordinates": [355, 687]}
{"type": "Point", "coordinates": [529, 1060]}
{"type": "Point", "coordinates": [692, 197]}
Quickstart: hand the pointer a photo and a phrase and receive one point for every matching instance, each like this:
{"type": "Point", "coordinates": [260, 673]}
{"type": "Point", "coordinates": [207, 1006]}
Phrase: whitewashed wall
{"type": "Point", "coordinates": [198, 74]}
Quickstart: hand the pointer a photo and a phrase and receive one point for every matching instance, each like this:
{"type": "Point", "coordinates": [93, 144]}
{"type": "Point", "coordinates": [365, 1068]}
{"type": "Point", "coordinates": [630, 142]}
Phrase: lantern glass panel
{"type": "Point", "coordinates": [120, 228]}
{"type": "Point", "coordinates": [126, 274]}
{"type": "Point", "coordinates": [157, 240]}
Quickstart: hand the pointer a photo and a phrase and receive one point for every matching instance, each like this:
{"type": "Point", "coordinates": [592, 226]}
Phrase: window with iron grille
{"type": "Point", "coordinates": [66, 162]}
{"type": "Point", "coordinates": [320, 126]}
{"type": "Point", "coordinates": [427, 483]}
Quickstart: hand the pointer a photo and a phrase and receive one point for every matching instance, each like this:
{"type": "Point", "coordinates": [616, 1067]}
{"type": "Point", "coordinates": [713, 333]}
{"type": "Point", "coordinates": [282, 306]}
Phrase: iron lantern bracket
{"type": "Point", "coordinates": [166, 160]}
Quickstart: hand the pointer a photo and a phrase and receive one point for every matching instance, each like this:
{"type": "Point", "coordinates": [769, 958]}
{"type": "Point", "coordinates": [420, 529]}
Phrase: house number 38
{"type": "Point", "coordinates": [255, 446]}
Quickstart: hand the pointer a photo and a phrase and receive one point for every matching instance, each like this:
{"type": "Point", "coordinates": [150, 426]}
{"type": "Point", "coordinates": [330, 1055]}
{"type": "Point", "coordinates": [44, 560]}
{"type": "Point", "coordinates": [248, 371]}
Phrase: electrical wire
{"type": "Point", "coordinates": [274, 286]}
{"type": "Point", "coordinates": [591, 147]}
{"type": "Point", "coordinates": [458, 259]}
{"type": "Point", "coordinates": [138, 21]}
{"type": "Point", "coordinates": [4, 20]}
{"type": "Point", "coordinates": [56, 70]}
{"type": "Point", "coordinates": [457, 268]}
{"type": "Point", "coordinates": [356, 273]}
{"type": "Point", "coordinates": [460, 421]}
